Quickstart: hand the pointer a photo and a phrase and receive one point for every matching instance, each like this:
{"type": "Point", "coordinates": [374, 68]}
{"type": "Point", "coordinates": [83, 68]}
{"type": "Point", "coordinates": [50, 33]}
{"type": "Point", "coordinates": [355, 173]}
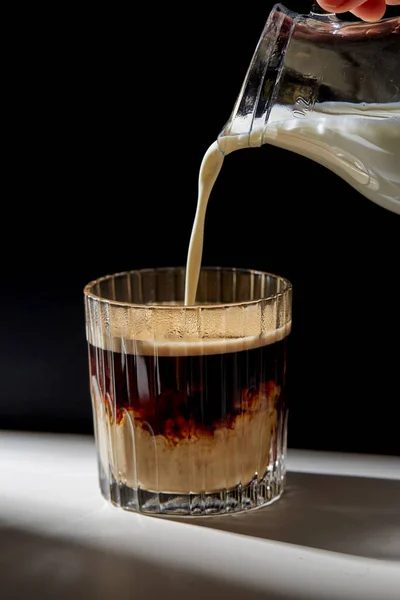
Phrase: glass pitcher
{"type": "Point", "coordinates": [328, 90]}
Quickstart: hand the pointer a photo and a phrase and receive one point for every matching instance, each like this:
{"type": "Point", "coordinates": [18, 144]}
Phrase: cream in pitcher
{"type": "Point", "coordinates": [325, 89]}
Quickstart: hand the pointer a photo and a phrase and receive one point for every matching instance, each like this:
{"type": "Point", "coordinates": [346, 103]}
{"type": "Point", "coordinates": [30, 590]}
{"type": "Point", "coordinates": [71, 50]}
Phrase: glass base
{"type": "Point", "coordinates": [256, 494]}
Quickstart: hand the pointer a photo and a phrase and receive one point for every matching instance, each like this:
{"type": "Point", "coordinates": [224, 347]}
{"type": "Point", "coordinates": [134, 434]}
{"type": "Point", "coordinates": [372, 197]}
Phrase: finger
{"type": "Point", "coordinates": [393, 2]}
{"type": "Point", "coordinates": [371, 10]}
{"type": "Point", "coordinates": [340, 6]}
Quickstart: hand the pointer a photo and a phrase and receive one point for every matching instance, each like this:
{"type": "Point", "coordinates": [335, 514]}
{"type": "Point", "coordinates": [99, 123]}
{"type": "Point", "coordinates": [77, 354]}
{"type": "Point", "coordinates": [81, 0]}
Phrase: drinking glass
{"type": "Point", "coordinates": [189, 402]}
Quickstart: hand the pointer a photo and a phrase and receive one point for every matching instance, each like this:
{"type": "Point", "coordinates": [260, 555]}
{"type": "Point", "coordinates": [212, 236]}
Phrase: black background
{"type": "Point", "coordinates": [113, 112]}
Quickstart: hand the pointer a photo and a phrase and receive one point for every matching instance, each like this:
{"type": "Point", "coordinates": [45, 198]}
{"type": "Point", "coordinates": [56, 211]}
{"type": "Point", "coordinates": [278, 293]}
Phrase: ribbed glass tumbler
{"type": "Point", "coordinates": [189, 402]}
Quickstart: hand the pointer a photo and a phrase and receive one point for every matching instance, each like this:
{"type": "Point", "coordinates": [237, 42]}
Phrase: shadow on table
{"type": "Point", "coordinates": [352, 515]}
{"type": "Point", "coordinates": [49, 568]}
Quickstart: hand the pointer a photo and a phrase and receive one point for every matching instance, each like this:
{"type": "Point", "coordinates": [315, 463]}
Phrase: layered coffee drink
{"type": "Point", "coordinates": [189, 402]}
{"type": "Point", "coordinates": [190, 419]}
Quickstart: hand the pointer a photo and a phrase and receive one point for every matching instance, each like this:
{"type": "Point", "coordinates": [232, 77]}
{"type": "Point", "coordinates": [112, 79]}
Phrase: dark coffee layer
{"type": "Point", "coordinates": [184, 396]}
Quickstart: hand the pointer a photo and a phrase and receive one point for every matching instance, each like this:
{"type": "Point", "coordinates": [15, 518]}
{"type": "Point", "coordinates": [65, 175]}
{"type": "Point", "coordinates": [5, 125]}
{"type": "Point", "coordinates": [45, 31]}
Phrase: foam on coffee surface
{"type": "Point", "coordinates": [190, 347]}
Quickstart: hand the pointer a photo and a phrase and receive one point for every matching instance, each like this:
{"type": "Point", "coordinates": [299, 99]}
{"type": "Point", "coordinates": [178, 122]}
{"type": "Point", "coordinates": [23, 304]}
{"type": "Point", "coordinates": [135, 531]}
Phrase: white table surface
{"type": "Point", "coordinates": [334, 535]}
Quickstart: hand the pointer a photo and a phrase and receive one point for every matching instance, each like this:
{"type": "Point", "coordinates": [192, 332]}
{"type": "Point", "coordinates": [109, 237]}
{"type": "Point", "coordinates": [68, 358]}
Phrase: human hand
{"type": "Point", "coordinates": [368, 10]}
